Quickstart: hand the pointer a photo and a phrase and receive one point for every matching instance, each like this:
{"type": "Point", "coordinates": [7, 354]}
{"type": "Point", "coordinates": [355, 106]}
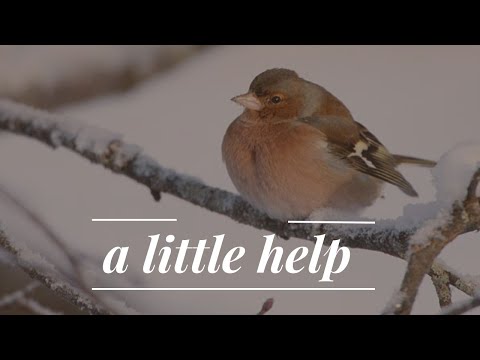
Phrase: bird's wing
{"type": "Point", "coordinates": [353, 143]}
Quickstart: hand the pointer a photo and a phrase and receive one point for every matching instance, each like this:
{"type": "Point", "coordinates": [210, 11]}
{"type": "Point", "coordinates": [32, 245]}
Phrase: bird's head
{"type": "Point", "coordinates": [274, 94]}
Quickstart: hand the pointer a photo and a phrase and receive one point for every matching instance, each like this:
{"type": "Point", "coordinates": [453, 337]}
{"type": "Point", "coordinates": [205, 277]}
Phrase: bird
{"type": "Point", "coordinates": [296, 149]}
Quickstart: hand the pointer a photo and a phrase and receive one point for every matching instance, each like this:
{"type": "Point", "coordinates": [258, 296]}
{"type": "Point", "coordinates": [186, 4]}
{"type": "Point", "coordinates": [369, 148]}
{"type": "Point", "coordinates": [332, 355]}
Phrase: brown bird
{"type": "Point", "coordinates": [296, 148]}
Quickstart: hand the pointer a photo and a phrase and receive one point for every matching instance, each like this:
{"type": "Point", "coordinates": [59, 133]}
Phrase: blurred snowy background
{"type": "Point", "coordinates": [174, 102]}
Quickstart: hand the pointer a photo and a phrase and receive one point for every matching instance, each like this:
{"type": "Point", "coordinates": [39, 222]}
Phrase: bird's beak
{"type": "Point", "coordinates": [249, 101]}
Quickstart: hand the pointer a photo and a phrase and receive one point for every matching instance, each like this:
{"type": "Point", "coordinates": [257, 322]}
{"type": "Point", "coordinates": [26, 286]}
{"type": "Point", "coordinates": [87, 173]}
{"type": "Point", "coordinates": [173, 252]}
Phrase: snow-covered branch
{"type": "Point", "coordinates": [52, 76]}
{"type": "Point", "coordinates": [429, 241]}
{"type": "Point", "coordinates": [462, 307]}
{"type": "Point", "coordinates": [52, 281]}
{"type": "Point", "coordinates": [12, 298]}
{"type": "Point", "coordinates": [21, 297]}
{"type": "Point", "coordinates": [78, 281]}
{"type": "Point", "coordinates": [106, 148]}
{"type": "Point", "coordinates": [441, 282]}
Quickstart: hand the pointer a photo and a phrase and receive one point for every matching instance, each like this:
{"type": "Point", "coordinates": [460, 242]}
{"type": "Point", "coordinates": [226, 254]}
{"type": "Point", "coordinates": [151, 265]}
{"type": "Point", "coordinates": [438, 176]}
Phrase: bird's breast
{"type": "Point", "coordinates": [283, 169]}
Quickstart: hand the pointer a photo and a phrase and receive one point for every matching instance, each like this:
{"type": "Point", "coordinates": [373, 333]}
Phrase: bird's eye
{"type": "Point", "coordinates": [276, 99]}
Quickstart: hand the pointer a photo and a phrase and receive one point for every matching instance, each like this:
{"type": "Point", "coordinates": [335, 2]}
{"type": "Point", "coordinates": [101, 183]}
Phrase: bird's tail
{"type": "Point", "coordinates": [401, 159]}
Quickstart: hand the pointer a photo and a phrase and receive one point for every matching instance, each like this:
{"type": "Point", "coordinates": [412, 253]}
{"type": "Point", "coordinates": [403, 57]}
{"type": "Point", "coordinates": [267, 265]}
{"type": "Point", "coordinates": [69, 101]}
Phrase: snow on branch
{"type": "Point", "coordinates": [21, 297]}
{"type": "Point", "coordinates": [441, 282]}
{"type": "Point", "coordinates": [52, 281]}
{"type": "Point", "coordinates": [78, 282]}
{"type": "Point", "coordinates": [430, 239]}
{"type": "Point", "coordinates": [462, 307]}
{"type": "Point", "coordinates": [12, 298]}
{"type": "Point", "coordinates": [103, 147]}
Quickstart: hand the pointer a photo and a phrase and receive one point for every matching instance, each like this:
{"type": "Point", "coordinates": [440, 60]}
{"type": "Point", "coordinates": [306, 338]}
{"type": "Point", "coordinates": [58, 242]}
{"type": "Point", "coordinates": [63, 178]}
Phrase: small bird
{"type": "Point", "coordinates": [296, 149]}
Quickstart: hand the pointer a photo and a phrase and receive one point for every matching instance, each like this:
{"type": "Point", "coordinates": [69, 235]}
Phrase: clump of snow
{"type": "Point", "coordinates": [56, 138]}
{"type": "Point", "coordinates": [145, 165]}
{"type": "Point", "coordinates": [395, 302]}
{"type": "Point", "coordinates": [428, 230]}
{"type": "Point", "coordinates": [454, 171]}
{"type": "Point", "coordinates": [127, 153]}
{"type": "Point", "coordinates": [11, 111]}
{"type": "Point", "coordinates": [34, 260]}
{"type": "Point", "coordinates": [452, 175]}
{"type": "Point", "coordinates": [71, 127]}
{"type": "Point", "coordinates": [95, 139]}
{"type": "Point", "coordinates": [228, 202]}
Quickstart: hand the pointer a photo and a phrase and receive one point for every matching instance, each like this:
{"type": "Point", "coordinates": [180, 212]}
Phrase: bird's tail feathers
{"type": "Point", "coordinates": [402, 159]}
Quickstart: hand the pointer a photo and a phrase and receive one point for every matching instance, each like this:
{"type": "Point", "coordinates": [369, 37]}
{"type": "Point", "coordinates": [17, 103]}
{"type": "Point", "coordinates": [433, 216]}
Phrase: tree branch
{"type": "Point", "coordinates": [11, 298]}
{"type": "Point", "coordinates": [429, 241]}
{"type": "Point", "coordinates": [441, 282]}
{"type": "Point", "coordinates": [106, 148]}
{"type": "Point", "coordinates": [36, 308]}
{"type": "Point", "coordinates": [51, 281]}
{"type": "Point", "coordinates": [266, 306]}
{"type": "Point", "coordinates": [455, 279]}
{"type": "Point", "coordinates": [94, 78]}
{"type": "Point", "coordinates": [21, 297]}
{"type": "Point", "coordinates": [462, 307]}
{"type": "Point", "coordinates": [75, 263]}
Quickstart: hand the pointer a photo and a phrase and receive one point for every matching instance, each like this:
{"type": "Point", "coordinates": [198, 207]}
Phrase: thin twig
{"type": "Point", "coordinates": [55, 239]}
{"type": "Point", "coordinates": [37, 308]}
{"type": "Point", "coordinates": [462, 307]}
{"type": "Point", "coordinates": [11, 298]}
{"type": "Point", "coordinates": [267, 306]}
{"type": "Point", "coordinates": [444, 293]}
{"type": "Point", "coordinates": [441, 282]}
{"type": "Point", "coordinates": [61, 288]}
{"type": "Point", "coordinates": [20, 297]}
